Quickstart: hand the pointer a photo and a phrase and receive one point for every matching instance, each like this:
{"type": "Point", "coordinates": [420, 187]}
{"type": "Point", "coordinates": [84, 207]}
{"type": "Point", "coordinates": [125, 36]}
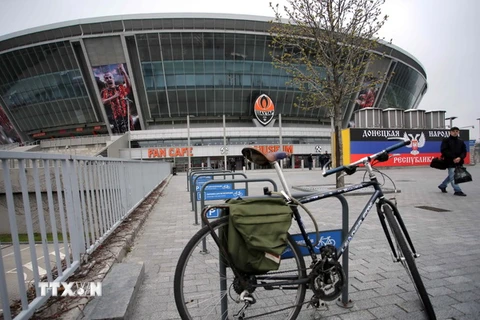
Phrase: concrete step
{"type": "Point", "coordinates": [119, 289]}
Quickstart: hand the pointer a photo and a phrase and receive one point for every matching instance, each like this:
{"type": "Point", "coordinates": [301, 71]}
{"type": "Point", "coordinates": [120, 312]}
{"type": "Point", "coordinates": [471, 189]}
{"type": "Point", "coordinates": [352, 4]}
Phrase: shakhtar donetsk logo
{"type": "Point", "coordinates": [417, 142]}
{"type": "Point", "coordinates": [264, 109]}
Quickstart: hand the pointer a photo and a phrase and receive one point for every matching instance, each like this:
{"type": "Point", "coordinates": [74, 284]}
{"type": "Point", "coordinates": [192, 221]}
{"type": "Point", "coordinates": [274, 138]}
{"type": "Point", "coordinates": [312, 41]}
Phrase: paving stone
{"type": "Point", "coordinates": [447, 242]}
{"type": "Point", "coordinates": [362, 314]}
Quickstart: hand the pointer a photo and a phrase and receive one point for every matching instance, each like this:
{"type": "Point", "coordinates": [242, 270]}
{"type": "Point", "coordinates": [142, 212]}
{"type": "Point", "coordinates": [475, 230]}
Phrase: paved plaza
{"type": "Point", "coordinates": [446, 240]}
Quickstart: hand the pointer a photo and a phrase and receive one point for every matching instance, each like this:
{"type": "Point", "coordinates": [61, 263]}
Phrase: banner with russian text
{"type": "Point", "coordinates": [425, 145]}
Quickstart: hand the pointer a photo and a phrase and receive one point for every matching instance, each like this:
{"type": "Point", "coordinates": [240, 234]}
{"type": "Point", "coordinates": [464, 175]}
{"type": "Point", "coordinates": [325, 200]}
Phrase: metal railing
{"type": "Point", "coordinates": [57, 210]}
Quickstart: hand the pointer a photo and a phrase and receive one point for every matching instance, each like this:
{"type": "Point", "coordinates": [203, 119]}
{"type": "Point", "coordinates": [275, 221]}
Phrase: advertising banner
{"type": "Point", "coordinates": [8, 134]}
{"type": "Point", "coordinates": [116, 93]}
{"type": "Point", "coordinates": [425, 144]}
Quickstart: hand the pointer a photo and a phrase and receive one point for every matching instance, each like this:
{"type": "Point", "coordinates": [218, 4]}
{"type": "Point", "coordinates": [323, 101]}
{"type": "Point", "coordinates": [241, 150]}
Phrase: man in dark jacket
{"type": "Point", "coordinates": [453, 150]}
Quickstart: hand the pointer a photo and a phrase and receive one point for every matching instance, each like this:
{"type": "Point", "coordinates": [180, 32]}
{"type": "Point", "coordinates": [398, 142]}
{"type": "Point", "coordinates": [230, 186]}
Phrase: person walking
{"type": "Point", "coordinates": [326, 160]}
{"type": "Point", "coordinates": [310, 161]}
{"type": "Point", "coordinates": [453, 151]}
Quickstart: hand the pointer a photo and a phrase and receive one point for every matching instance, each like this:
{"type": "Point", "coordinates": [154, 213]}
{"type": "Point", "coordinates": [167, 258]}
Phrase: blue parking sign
{"type": "Point", "coordinates": [225, 194]}
{"type": "Point", "coordinates": [214, 213]}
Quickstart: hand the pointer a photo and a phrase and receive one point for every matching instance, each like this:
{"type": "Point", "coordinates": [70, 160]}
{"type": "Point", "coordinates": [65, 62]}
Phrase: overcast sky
{"type": "Point", "coordinates": [441, 34]}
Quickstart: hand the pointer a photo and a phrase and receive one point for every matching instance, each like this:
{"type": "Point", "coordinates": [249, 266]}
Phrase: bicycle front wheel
{"type": "Point", "coordinates": [205, 289]}
{"type": "Point", "coordinates": [405, 256]}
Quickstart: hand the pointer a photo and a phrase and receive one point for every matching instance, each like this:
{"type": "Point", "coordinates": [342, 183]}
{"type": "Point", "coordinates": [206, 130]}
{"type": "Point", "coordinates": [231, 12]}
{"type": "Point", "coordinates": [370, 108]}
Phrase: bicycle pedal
{"type": "Point", "coordinates": [247, 298]}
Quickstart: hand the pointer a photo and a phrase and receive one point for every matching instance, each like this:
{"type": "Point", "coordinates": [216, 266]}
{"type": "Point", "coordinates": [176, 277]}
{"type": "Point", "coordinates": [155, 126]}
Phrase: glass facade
{"type": "Point", "coordinates": [209, 74]}
{"type": "Point", "coordinates": [42, 87]}
{"type": "Point", "coordinates": [404, 88]}
{"type": "Point", "coordinates": [205, 68]}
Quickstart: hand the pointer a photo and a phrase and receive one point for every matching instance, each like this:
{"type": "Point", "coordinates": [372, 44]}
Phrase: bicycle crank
{"type": "Point", "coordinates": [328, 275]}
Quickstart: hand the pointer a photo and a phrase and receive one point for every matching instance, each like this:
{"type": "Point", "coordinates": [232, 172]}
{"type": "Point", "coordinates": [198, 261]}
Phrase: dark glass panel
{"type": "Point", "coordinates": [143, 49]}
{"type": "Point", "coordinates": [201, 102]}
{"type": "Point", "coordinates": [183, 105]}
{"type": "Point", "coordinates": [210, 101]}
{"type": "Point", "coordinates": [192, 105]}
{"type": "Point", "coordinates": [187, 46]}
{"type": "Point", "coordinates": [154, 47]}
{"type": "Point", "coordinates": [173, 100]}
{"type": "Point", "coordinates": [219, 45]}
{"type": "Point", "coordinates": [260, 49]}
{"type": "Point", "coordinates": [209, 46]}
{"type": "Point", "coordinates": [176, 46]}
{"type": "Point", "coordinates": [198, 46]}
{"type": "Point", "coordinates": [166, 46]}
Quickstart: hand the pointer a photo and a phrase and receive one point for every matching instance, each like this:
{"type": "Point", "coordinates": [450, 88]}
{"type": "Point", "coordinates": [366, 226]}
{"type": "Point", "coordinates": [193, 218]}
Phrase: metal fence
{"type": "Point", "coordinates": [57, 209]}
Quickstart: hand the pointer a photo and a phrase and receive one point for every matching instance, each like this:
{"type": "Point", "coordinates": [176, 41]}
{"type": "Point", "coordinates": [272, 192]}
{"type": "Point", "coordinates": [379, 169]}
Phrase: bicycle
{"type": "Point", "coordinates": [280, 294]}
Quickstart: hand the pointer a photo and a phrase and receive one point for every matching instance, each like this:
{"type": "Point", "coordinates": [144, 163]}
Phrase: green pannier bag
{"type": "Point", "coordinates": [257, 233]}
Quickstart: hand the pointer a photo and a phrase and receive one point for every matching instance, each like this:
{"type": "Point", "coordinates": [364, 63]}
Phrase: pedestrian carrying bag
{"type": "Point", "coordinates": [257, 233]}
{"type": "Point", "coordinates": [438, 163]}
{"type": "Point", "coordinates": [462, 175]}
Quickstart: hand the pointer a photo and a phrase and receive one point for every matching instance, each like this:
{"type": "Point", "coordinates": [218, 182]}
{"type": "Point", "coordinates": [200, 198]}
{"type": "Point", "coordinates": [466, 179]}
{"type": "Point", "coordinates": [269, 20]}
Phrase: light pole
{"type": "Point", "coordinates": [451, 120]}
{"type": "Point", "coordinates": [225, 149]}
{"type": "Point", "coordinates": [188, 143]}
{"type": "Point", "coordinates": [128, 124]}
{"type": "Point", "coordinates": [478, 129]}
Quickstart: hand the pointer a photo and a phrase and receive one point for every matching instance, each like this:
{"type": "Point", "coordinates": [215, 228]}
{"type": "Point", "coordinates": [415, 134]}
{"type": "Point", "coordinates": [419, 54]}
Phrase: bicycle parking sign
{"type": "Point", "coordinates": [222, 195]}
{"type": "Point", "coordinates": [331, 237]}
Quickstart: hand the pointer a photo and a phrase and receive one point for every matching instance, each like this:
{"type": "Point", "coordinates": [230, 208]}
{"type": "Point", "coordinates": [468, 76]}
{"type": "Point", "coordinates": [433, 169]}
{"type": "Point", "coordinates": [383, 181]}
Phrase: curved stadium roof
{"type": "Point", "coordinates": [160, 21]}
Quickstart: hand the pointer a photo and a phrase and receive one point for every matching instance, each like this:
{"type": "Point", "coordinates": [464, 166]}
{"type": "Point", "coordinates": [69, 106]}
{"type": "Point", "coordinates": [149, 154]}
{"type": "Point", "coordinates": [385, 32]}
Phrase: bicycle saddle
{"type": "Point", "coordinates": [262, 159]}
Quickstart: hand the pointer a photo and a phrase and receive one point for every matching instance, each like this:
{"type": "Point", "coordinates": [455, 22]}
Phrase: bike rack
{"type": "Point", "coordinates": [191, 171]}
{"type": "Point", "coordinates": [233, 181]}
{"type": "Point", "coordinates": [195, 176]}
{"type": "Point", "coordinates": [246, 181]}
{"type": "Point", "coordinates": [343, 302]}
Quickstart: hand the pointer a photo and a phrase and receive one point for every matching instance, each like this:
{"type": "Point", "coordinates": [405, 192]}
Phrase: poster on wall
{"type": "Point", "coordinates": [8, 134]}
{"type": "Point", "coordinates": [116, 93]}
{"type": "Point", "coordinates": [368, 94]}
{"type": "Point", "coordinates": [424, 145]}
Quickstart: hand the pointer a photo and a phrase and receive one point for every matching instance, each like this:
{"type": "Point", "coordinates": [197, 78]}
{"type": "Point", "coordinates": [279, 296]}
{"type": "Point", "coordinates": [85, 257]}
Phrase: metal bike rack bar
{"type": "Point", "coordinates": [344, 302]}
{"type": "Point", "coordinates": [246, 181]}
{"type": "Point", "coordinates": [196, 169]}
{"type": "Point", "coordinates": [202, 190]}
{"type": "Point", "coordinates": [194, 177]}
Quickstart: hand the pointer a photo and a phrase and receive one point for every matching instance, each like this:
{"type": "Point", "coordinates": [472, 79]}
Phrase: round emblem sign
{"type": "Point", "coordinates": [264, 109]}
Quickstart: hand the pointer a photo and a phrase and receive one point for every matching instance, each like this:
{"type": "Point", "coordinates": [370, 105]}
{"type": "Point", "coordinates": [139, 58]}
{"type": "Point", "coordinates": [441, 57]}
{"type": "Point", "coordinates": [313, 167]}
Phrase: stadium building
{"type": "Point", "coordinates": [179, 87]}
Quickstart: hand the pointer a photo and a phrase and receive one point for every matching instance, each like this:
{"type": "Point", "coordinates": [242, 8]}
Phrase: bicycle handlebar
{"type": "Point", "coordinates": [350, 168]}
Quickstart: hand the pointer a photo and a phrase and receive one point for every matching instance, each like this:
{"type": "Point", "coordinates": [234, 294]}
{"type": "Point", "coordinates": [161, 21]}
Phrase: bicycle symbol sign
{"type": "Point", "coordinates": [332, 237]}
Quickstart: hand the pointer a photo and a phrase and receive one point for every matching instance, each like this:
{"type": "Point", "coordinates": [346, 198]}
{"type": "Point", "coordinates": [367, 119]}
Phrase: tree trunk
{"type": "Point", "coordinates": [338, 145]}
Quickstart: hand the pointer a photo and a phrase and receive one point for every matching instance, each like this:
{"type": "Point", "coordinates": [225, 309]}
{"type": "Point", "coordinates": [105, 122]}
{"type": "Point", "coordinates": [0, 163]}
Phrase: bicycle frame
{"type": "Point", "coordinates": [377, 195]}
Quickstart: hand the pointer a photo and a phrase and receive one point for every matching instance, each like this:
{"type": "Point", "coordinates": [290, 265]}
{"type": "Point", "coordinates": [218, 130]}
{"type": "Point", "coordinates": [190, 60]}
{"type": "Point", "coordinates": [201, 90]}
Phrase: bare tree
{"type": "Point", "coordinates": [326, 46]}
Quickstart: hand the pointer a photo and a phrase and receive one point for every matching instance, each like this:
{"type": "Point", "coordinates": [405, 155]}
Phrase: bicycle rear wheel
{"type": "Point", "coordinates": [405, 256]}
{"type": "Point", "coordinates": [205, 290]}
